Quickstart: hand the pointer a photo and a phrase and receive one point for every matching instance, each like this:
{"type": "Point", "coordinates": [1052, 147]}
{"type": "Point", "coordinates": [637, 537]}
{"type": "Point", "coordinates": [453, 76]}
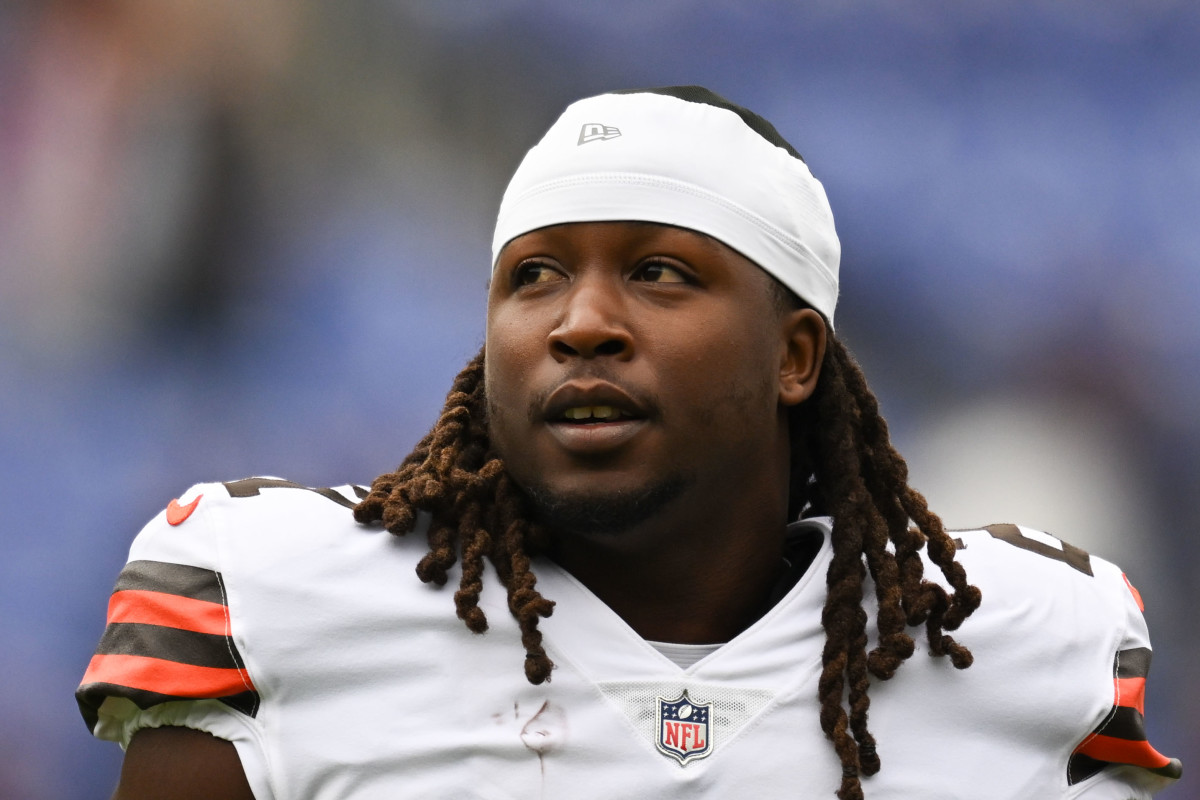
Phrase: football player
{"type": "Point", "coordinates": [687, 557]}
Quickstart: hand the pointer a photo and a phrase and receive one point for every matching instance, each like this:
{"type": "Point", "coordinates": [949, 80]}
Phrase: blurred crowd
{"type": "Point", "coordinates": [251, 238]}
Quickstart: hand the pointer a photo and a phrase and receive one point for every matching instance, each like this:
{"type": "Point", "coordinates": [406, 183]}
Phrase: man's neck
{"type": "Point", "coordinates": [689, 578]}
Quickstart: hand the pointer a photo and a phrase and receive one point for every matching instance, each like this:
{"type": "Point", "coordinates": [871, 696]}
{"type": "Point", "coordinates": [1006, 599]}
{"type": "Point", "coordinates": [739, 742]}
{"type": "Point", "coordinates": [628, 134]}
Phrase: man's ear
{"type": "Point", "coordinates": [804, 349]}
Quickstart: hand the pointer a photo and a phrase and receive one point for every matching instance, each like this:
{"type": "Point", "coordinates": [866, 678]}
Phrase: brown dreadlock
{"type": "Point", "coordinates": [843, 465]}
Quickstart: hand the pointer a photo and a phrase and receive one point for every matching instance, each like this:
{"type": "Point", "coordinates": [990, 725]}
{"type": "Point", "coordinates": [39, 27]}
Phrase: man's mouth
{"type": "Point", "coordinates": [594, 417]}
{"type": "Point", "coordinates": [591, 402]}
{"type": "Point", "coordinates": [586, 414]}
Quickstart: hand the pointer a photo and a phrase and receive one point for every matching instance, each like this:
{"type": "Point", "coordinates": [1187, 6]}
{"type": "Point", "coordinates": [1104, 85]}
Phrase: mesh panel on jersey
{"type": "Point", "coordinates": [731, 708]}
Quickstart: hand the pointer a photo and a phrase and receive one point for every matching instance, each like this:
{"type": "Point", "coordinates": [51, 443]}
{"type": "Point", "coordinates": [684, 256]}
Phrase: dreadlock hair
{"type": "Point", "coordinates": [842, 464]}
{"type": "Point", "coordinates": [860, 480]}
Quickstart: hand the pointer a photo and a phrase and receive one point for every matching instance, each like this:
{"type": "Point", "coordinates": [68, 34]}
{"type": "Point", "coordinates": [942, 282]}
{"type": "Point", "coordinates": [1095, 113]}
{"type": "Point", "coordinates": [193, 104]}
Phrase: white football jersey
{"type": "Point", "coordinates": [259, 611]}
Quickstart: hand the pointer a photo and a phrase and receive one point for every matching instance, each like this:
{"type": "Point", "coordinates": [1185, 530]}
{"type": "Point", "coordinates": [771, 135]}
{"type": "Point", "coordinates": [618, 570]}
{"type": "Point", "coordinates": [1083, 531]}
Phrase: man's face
{"type": "Point", "coordinates": [631, 366]}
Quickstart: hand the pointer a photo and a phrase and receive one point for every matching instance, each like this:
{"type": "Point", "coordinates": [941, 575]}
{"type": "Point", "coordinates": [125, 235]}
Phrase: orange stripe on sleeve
{"type": "Point", "coordinates": [1131, 692]}
{"type": "Point", "coordinates": [169, 610]}
{"type": "Point", "coordinates": [1123, 751]}
{"type": "Point", "coordinates": [167, 677]}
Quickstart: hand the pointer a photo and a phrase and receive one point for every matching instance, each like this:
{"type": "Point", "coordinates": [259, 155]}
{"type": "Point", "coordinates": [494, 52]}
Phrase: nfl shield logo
{"type": "Point", "coordinates": [683, 729]}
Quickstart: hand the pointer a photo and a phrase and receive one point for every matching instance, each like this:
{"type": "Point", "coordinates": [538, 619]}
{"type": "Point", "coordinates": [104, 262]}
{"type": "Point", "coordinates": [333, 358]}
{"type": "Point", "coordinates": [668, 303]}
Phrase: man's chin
{"type": "Point", "coordinates": [602, 512]}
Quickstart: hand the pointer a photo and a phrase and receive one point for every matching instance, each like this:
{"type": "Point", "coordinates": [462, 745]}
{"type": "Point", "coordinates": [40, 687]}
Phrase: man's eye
{"type": "Point", "coordinates": [535, 272]}
{"type": "Point", "coordinates": [658, 272]}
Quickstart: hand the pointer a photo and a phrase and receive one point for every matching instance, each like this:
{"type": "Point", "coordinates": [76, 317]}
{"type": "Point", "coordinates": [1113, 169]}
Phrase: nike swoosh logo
{"type": "Point", "coordinates": [176, 513]}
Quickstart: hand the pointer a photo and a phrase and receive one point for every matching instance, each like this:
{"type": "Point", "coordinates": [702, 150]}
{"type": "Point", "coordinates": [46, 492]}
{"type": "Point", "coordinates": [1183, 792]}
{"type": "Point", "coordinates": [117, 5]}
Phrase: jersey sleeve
{"type": "Point", "coordinates": [168, 652]}
{"type": "Point", "coordinates": [1073, 626]}
{"type": "Point", "coordinates": [1117, 755]}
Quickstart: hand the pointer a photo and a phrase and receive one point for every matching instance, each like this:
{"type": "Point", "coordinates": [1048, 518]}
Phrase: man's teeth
{"type": "Point", "coordinates": [604, 413]}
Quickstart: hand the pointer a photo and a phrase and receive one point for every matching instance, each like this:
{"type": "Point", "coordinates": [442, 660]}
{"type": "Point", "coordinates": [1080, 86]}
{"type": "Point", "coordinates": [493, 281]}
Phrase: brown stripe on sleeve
{"type": "Point", "coordinates": [183, 646]}
{"type": "Point", "coordinates": [1133, 663]}
{"type": "Point", "coordinates": [178, 579]}
{"type": "Point", "coordinates": [1125, 723]}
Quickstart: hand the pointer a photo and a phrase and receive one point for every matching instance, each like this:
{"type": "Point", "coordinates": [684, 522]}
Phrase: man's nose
{"type": "Point", "coordinates": [593, 322]}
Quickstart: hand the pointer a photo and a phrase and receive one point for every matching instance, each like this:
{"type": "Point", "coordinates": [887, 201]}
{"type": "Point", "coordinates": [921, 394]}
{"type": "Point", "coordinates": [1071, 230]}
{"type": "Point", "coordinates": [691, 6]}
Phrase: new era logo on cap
{"type": "Point", "coordinates": [593, 131]}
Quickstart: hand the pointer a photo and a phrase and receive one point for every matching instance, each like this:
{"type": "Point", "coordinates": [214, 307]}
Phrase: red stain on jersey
{"type": "Point", "coordinates": [1133, 590]}
{"type": "Point", "coordinates": [176, 513]}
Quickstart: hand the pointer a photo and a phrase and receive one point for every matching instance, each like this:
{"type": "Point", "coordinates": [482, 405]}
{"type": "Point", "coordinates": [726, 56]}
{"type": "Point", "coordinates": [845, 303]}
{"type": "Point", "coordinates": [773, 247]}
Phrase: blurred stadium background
{"type": "Point", "coordinates": [251, 237]}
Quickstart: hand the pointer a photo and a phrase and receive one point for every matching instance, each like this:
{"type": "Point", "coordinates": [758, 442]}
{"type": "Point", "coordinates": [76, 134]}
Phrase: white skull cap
{"type": "Point", "coordinates": [687, 157]}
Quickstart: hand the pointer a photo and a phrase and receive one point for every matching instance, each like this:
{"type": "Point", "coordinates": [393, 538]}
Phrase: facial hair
{"type": "Point", "coordinates": [603, 513]}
